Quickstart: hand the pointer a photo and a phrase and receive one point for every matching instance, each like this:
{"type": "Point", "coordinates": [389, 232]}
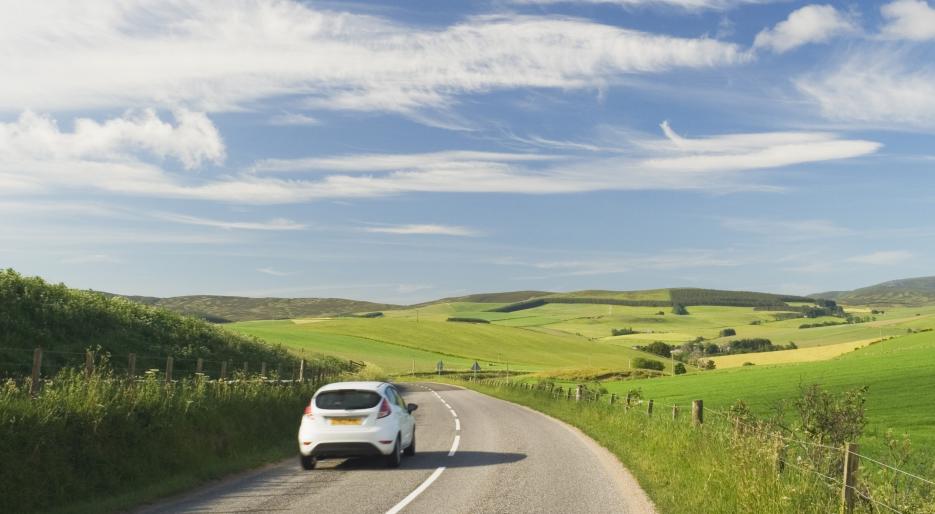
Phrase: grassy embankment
{"type": "Point", "coordinates": [104, 443]}
{"type": "Point", "coordinates": [685, 469]}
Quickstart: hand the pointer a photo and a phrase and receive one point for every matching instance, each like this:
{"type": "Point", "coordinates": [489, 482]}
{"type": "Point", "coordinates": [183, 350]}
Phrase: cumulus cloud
{"type": "Point", "coordinates": [424, 229]}
{"type": "Point", "coordinates": [214, 55]}
{"type": "Point", "coordinates": [882, 258]}
{"type": "Point", "coordinates": [908, 19]}
{"type": "Point", "coordinates": [879, 88]}
{"type": "Point", "coordinates": [810, 24]}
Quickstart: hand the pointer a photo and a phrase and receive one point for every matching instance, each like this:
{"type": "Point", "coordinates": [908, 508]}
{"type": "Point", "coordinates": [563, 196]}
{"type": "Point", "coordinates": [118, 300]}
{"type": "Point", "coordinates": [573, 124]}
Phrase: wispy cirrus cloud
{"type": "Point", "coordinates": [274, 272]}
{"type": "Point", "coordinates": [273, 224]}
{"type": "Point", "coordinates": [424, 229]}
{"type": "Point", "coordinates": [882, 258]}
{"type": "Point", "coordinates": [688, 5]}
{"type": "Point", "coordinates": [238, 53]}
{"type": "Point", "coordinates": [290, 119]}
{"type": "Point", "coordinates": [787, 229]}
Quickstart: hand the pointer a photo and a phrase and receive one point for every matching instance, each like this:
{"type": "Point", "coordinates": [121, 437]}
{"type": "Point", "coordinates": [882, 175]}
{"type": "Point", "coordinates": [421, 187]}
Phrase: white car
{"type": "Point", "coordinates": [357, 419]}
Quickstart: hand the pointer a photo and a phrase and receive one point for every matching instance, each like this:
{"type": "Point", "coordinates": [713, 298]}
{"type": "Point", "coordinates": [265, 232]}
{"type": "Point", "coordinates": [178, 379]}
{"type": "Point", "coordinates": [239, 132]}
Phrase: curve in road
{"type": "Point", "coordinates": [475, 454]}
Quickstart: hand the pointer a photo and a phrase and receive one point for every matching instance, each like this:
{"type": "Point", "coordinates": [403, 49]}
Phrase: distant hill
{"type": "Point", "coordinates": [907, 291]}
{"type": "Point", "coordinates": [505, 297]}
{"type": "Point", "coordinates": [223, 309]}
{"type": "Point", "coordinates": [661, 298]}
{"type": "Point", "coordinates": [66, 322]}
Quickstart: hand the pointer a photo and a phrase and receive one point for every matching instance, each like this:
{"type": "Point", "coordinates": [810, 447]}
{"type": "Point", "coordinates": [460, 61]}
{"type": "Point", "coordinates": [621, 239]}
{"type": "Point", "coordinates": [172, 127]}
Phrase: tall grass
{"type": "Point", "coordinates": [87, 440]}
{"type": "Point", "coordinates": [722, 466]}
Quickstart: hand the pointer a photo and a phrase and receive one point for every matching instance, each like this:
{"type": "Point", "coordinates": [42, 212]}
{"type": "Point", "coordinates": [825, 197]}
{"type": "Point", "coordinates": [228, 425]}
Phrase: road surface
{"type": "Point", "coordinates": [474, 454]}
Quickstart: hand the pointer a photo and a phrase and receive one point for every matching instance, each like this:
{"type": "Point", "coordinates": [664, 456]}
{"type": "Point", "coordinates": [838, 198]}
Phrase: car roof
{"type": "Point", "coordinates": [367, 386]}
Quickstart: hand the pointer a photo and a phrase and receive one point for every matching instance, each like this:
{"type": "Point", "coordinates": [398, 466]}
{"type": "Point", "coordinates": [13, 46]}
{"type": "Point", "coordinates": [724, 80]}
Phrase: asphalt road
{"type": "Point", "coordinates": [474, 454]}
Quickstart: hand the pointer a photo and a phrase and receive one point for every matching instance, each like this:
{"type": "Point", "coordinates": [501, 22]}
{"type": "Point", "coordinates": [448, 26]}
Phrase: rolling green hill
{"type": "Point", "coordinates": [908, 291]}
{"type": "Point", "coordinates": [659, 298]}
{"type": "Point", "coordinates": [224, 309]}
{"type": "Point", "coordinates": [66, 322]}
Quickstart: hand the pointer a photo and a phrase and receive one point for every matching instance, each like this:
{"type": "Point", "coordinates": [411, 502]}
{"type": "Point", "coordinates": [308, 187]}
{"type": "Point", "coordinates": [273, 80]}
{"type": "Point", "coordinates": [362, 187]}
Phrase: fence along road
{"type": "Point", "coordinates": [475, 454]}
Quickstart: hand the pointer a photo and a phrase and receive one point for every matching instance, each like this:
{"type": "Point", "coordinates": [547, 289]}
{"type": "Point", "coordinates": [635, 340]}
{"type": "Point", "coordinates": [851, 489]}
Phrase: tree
{"type": "Point", "coordinates": [679, 309]}
{"type": "Point", "coordinates": [659, 348]}
{"type": "Point", "coordinates": [727, 332]}
{"type": "Point", "coordinates": [680, 369]}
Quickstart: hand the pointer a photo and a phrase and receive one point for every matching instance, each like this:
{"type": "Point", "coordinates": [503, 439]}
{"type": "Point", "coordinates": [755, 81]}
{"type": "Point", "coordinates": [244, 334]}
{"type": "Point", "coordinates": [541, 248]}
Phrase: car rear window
{"type": "Point", "coordinates": [347, 399]}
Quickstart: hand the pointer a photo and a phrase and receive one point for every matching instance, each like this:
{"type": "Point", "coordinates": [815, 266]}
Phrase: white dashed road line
{"type": "Point", "coordinates": [428, 481]}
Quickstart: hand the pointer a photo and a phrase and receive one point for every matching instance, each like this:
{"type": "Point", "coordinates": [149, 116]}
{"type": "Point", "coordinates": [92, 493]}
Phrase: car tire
{"type": "Point", "coordinates": [411, 449]}
{"type": "Point", "coordinates": [308, 462]}
{"type": "Point", "coordinates": [394, 459]}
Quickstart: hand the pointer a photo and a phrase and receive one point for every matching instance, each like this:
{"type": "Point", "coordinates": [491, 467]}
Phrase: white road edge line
{"type": "Point", "coordinates": [454, 446]}
{"type": "Point", "coordinates": [457, 424]}
{"type": "Point", "coordinates": [453, 413]}
{"type": "Point", "coordinates": [412, 496]}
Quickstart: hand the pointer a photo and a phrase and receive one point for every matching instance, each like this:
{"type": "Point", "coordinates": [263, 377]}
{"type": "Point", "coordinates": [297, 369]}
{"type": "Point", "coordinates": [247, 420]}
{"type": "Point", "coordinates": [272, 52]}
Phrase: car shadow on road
{"type": "Point", "coordinates": [432, 460]}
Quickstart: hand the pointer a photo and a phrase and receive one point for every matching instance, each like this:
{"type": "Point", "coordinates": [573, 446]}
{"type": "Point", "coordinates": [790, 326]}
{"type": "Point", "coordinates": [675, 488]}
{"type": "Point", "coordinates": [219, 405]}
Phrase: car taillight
{"type": "Point", "coordinates": [308, 410]}
{"type": "Point", "coordinates": [384, 409]}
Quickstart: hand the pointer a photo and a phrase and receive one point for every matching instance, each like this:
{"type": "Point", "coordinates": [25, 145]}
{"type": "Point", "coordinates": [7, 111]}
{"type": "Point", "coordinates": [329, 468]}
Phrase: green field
{"type": "Point", "coordinates": [899, 373]}
{"type": "Point", "coordinates": [394, 343]}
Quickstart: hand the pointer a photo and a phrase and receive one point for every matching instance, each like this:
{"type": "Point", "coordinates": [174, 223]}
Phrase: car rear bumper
{"type": "Point", "coordinates": [346, 443]}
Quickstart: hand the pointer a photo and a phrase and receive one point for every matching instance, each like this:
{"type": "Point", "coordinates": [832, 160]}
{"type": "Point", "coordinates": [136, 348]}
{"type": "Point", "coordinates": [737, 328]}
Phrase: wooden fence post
{"type": "Point", "coordinates": [199, 366]}
{"type": "Point", "coordinates": [36, 371]}
{"type": "Point", "coordinates": [613, 398]}
{"type": "Point", "coordinates": [780, 456]}
{"type": "Point", "coordinates": [850, 478]}
{"type": "Point", "coordinates": [168, 370]}
{"type": "Point", "coordinates": [131, 366]}
{"type": "Point", "coordinates": [578, 393]}
{"type": "Point", "coordinates": [675, 412]}
{"type": "Point", "coordinates": [302, 370]}
{"type": "Point", "coordinates": [649, 408]}
{"type": "Point", "coordinates": [223, 370]}
{"type": "Point", "coordinates": [697, 412]}
{"type": "Point", "coordinates": [88, 364]}
{"type": "Point", "coordinates": [568, 393]}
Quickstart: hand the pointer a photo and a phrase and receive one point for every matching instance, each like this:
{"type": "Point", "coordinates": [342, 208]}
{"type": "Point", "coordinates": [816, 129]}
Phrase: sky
{"type": "Point", "coordinates": [419, 149]}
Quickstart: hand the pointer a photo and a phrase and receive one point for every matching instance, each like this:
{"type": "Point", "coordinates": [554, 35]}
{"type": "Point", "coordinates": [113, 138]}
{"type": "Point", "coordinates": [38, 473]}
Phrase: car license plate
{"type": "Point", "coordinates": [345, 421]}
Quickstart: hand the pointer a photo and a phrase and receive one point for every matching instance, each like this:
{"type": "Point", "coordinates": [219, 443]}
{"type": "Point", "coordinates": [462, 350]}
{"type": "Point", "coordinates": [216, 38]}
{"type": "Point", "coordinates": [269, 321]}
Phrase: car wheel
{"type": "Point", "coordinates": [394, 459]}
{"type": "Point", "coordinates": [308, 461]}
{"type": "Point", "coordinates": [411, 449]}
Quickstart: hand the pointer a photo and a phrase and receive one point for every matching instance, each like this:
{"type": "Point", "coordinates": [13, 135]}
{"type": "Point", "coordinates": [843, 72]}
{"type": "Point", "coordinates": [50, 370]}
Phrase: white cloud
{"type": "Point", "coordinates": [97, 258]}
{"type": "Point", "coordinates": [882, 258]}
{"type": "Point", "coordinates": [880, 88]}
{"type": "Point", "coordinates": [274, 272]}
{"type": "Point", "coordinates": [908, 19]}
{"type": "Point", "coordinates": [370, 163]}
{"type": "Point", "coordinates": [274, 224]}
{"type": "Point", "coordinates": [683, 4]}
{"type": "Point", "coordinates": [214, 55]}
{"type": "Point", "coordinates": [787, 229]}
{"type": "Point", "coordinates": [675, 162]}
{"type": "Point", "coordinates": [192, 140]}
{"type": "Point", "coordinates": [424, 229]}
{"type": "Point", "coordinates": [809, 24]}
{"type": "Point", "coordinates": [291, 119]}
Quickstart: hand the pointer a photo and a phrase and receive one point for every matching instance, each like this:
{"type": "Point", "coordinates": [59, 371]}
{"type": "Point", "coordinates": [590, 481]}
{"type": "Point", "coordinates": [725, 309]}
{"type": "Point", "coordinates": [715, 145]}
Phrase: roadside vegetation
{"type": "Point", "coordinates": [736, 461]}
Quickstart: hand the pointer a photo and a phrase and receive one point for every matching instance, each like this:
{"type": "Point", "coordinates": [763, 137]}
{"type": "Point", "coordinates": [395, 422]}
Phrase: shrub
{"type": "Point", "coordinates": [680, 369]}
{"type": "Point", "coordinates": [679, 309]}
{"type": "Point", "coordinates": [642, 363]}
{"type": "Point", "coordinates": [623, 331]}
{"type": "Point", "coordinates": [727, 332]}
{"type": "Point", "coordinates": [467, 320]}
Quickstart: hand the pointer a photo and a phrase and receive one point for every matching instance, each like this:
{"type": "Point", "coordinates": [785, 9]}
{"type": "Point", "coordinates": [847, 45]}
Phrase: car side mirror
{"type": "Point", "coordinates": [411, 407]}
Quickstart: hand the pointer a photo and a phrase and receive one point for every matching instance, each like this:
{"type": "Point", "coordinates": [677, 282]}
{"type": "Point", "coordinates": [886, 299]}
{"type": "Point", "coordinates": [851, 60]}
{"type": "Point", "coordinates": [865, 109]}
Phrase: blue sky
{"type": "Point", "coordinates": [426, 149]}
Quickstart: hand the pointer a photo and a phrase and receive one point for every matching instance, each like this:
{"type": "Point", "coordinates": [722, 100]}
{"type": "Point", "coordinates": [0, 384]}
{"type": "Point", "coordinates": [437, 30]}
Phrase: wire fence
{"type": "Point", "coordinates": [857, 477]}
